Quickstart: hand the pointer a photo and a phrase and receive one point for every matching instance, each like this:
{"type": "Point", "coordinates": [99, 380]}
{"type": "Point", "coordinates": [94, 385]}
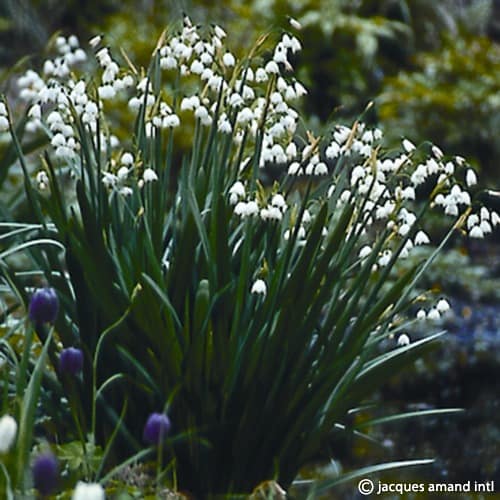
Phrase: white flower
{"type": "Point", "coordinates": [433, 314]}
{"type": "Point", "coordinates": [470, 178]}
{"type": "Point", "coordinates": [291, 150]}
{"type": "Point", "coordinates": [122, 173]}
{"type": "Point", "coordinates": [196, 67]}
{"type": "Point", "coordinates": [171, 121]}
{"type": "Point", "coordinates": [109, 179]}
{"type": "Point", "coordinates": [476, 232]}
{"type": "Point", "coordinates": [443, 306]}
{"type": "Point", "coordinates": [236, 191]}
{"type": "Point", "coordinates": [272, 67]}
{"type": "Point", "coordinates": [437, 152]}
{"type": "Point", "coordinates": [408, 193]}
{"type": "Point", "coordinates": [294, 23]}
{"type": "Point", "coordinates": [421, 238]}
{"type": "Point", "coordinates": [219, 32]}
{"type": "Point", "coordinates": [403, 340]}
{"type": "Point", "coordinates": [8, 431]}
{"type": "Point", "coordinates": [404, 229]}
{"type": "Point", "coordinates": [321, 169]}
{"type": "Point", "coordinates": [421, 315]}
{"type": "Point", "coordinates": [485, 213]}
{"type": "Point", "coordinates": [408, 146]}
{"type": "Point", "coordinates": [224, 126]}
{"type": "Point", "coordinates": [419, 176]}
{"type": "Point", "coordinates": [278, 200]}
{"type": "Point", "coordinates": [332, 151]}
{"type": "Point", "coordinates": [95, 41]}
{"type": "Point", "coordinates": [149, 175]}
{"type": "Point", "coordinates": [190, 103]}
{"type": "Point", "coordinates": [341, 134]}
{"type": "Point", "coordinates": [88, 491]}
{"type": "Point", "coordinates": [364, 252]}
{"type": "Point", "coordinates": [261, 75]}
{"type": "Point", "coordinates": [228, 59]}
{"type": "Point", "coordinates": [385, 258]}
{"type": "Point", "coordinates": [106, 92]}
{"type": "Point", "coordinates": [259, 287]}
{"type": "Point", "coordinates": [495, 218]}
{"type": "Point", "coordinates": [4, 124]}
{"type": "Point", "coordinates": [294, 168]}
{"type": "Point", "coordinates": [126, 191]}
{"type": "Point", "coordinates": [485, 227]}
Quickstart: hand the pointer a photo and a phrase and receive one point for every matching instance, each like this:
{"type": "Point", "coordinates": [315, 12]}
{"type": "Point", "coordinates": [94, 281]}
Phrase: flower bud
{"type": "Point", "coordinates": [45, 471]}
{"type": "Point", "coordinates": [71, 360]}
{"type": "Point", "coordinates": [43, 306]}
{"type": "Point", "coordinates": [156, 429]}
{"type": "Point", "coordinates": [8, 431]}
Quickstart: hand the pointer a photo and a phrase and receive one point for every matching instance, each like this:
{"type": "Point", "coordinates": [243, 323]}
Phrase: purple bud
{"type": "Point", "coordinates": [45, 471]}
{"type": "Point", "coordinates": [156, 429]}
{"type": "Point", "coordinates": [44, 305]}
{"type": "Point", "coordinates": [71, 360]}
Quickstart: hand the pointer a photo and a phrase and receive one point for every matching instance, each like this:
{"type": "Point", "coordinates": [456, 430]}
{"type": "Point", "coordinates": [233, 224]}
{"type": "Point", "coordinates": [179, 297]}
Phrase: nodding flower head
{"type": "Point", "coordinates": [8, 431]}
{"type": "Point", "coordinates": [156, 429]}
{"type": "Point", "coordinates": [71, 360]}
{"type": "Point", "coordinates": [44, 306]}
{"type": "Point", "coordinates": [45, 471]}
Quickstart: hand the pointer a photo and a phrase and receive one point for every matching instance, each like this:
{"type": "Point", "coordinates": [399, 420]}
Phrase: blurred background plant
{"type": "Point", "coordinates": [434, 64]}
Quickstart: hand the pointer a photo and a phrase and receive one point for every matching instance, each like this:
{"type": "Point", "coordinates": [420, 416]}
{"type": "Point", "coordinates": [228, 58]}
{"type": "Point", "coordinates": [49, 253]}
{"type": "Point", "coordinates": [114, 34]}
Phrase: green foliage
{"type": "Point", "coordinates": [451, 96]}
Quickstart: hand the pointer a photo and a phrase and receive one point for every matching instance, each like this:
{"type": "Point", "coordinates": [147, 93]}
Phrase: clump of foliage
{"type": "Point", "coordinates": [198, 318]}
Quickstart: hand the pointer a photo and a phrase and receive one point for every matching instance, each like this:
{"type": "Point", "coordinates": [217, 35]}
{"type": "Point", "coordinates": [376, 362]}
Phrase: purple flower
{"type": "Point", "coordinates": [71, 360]}
{"type": "Point", "coordinates": [45, 471]}
{"type": "Point", "coordinates": [43, 306]}
{"type": "Point", "coordinates": [156, 429]}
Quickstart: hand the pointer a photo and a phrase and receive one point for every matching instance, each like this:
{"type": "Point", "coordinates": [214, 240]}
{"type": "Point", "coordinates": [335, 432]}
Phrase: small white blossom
{"type": "Point", "coordinates": [433, 314]}
{"type": "Point", "coordinates": [408, 146]}
{"type": "Point", "coordinates": [321, 169]}
{"type": "Point", "coordinates": [365, 252]}
{"type": "Point", "coordinates": [485, 227]}
{"type": "Point", "coordinates": [236, 192]}
{"type": "Point", "coordinates": [272, 67]}
{"type": "Point", "coordinates": [403, 340]}
{"type": "Point", "coordinates": [122, 173]}
{"type": "Point", "coordinates": [484, 213]}
{"type": "Point", "coordinates": [476, 232]}
{"type": "Point", "coordinates": [470, 178]}
{"type": "Point", "coordinates": [88, 491]}
{"type": "Point", "coordinates": [294, 168]}
{"type": "Point", "coordinates": [408, 193]}
{"type": "Point", "coordinates": [259, 287]}
{"type": "Point", "coordinates": [8, 431]}
{"type": "Point", "coordinates": [421, 238]}
{"type": "Point", "coordinates": [4, 124]}
{"type": "Point", "coordinates": [228, 59]}
{"type": "Point", "coordinates": [385, 258]}
{"type": "Point", "coordinates": [294, 23]}
{"type": "Point", "coordinates": [95, 41]}
{"type": "Point", "coordinates": [443, 305]}
{"type": "Point", "coordinates": [421, 315]}
{"type": "Point", "coordinates": [261, 75]}
{"type": "Point", "coordinates": [149, 175]}
{"type": "Point", "coordinates": [495, 218]}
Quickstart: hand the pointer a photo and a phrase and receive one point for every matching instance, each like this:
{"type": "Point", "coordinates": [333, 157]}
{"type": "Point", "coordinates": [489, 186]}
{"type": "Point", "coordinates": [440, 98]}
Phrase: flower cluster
{"type": "Point", "coordinates": [251, 101]}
